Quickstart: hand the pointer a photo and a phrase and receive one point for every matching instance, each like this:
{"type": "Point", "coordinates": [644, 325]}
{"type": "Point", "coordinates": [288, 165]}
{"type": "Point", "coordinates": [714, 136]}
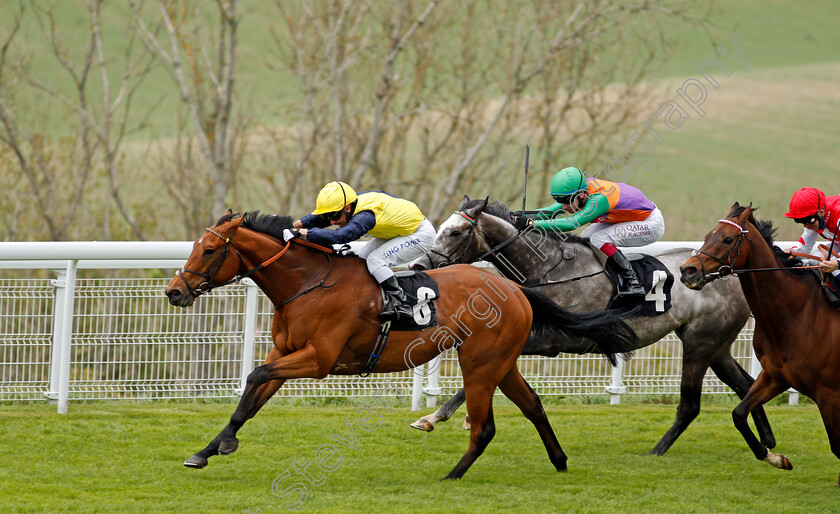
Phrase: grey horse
{"type": "Point", "coordinates": [707, 322]}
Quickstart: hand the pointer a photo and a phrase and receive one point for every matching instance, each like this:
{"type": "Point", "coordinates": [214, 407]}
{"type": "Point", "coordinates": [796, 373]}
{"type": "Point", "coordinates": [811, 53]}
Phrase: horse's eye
{"type": "Point", "coordinates": [455, 233]}
{"type": "Point", "coordinates": [729, 240]}
{"type": "Point", "coordinates": [209, 251]}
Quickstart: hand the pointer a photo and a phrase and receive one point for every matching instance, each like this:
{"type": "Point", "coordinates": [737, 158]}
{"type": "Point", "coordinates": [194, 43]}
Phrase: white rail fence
{"type": "Point", "coordinates": [73, 338]}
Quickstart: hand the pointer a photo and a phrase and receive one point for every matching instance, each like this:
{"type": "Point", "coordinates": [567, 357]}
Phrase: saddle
{"type": "Point", "coordinates": [657, 281]}
{"type": "Point", "coordinates": [830, 283]}
{"type": "Point", "coordinates": [421, 291]}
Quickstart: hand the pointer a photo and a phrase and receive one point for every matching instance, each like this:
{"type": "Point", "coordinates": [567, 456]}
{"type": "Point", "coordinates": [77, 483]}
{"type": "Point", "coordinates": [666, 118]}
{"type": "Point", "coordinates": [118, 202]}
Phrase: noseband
{"type": "Point", "coordinates": [727, 261]}
{"type": "Point", "coordinates": [448, 259]}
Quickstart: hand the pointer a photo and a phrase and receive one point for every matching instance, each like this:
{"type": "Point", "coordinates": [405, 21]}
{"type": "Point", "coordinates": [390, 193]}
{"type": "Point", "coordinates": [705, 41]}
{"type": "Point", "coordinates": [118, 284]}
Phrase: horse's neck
{"type": "Point", "coordinates": [297, 264]}
{"type": "Point", "coordinates": [535, 256]}
{"type": "Point", "coordinates": [760, 287]}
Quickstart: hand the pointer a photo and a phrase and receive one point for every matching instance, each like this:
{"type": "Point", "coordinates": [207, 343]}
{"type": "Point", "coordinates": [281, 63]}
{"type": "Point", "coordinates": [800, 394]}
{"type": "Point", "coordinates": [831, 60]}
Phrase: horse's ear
{"type": "Point", "coordinates": [465, 201]}
{"type": "Point", "coordinates": [484, 203]}
{"type": "Point", "coordinates": [225, 217]}
{"type": "Point", "coordinates": [732, 209]}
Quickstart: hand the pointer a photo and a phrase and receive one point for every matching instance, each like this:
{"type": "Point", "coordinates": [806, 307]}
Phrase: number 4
{"type": "Point", "coordinates": [657, 292]}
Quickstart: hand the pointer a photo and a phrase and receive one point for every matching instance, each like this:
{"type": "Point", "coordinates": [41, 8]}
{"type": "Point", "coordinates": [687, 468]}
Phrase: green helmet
{"type": "Point", "coordinates": [568, 181]}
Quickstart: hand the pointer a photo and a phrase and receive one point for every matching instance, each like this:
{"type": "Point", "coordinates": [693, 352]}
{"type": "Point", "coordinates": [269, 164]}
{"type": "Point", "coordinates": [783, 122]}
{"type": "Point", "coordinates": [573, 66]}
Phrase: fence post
{"type": "Point", "coordinates": [616, 387]}
{"type": "Point", "coordinates": [251, 291]}
{"type": "Point", "coordinates": [65, 292]}
{"type": "Point", "coordinates": [432, 390]}
{"type": "Point", "coordinates": [418, 374]}
{"type": "Point", "coordinates": [60, 285]}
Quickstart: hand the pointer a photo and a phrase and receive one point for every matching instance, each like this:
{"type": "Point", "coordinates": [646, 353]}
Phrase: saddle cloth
{"type": "Point", "coordinates": [657, 281]}
{"type": "Point", "coordinates": [421, 290]}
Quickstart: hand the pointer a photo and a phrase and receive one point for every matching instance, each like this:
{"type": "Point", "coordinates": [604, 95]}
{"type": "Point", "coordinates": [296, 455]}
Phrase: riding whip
{"type": "Point", "coordinates": [525, 188]}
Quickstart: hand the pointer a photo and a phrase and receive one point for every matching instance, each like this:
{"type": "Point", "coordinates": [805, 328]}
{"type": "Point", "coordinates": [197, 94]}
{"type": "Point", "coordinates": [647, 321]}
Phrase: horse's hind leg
{"type": "Point", "coordinates": [763, 389]}
{"type": "Point", "coordinates": [427, 423]}
{"type": "Point", "coordinates": [480, 406]}
{"type": "Point", "coordinates": [734, 376]}
{"type": "Point", "coordinates": [691, 384]}
{"type": "Point", "coordinates": [520, 393]}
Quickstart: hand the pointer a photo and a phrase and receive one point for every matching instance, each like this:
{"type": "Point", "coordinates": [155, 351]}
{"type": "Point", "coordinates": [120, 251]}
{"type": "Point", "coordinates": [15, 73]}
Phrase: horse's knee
{"type": "Point", "coordinates": [258, 376]}
{"type": "Point", "coordinates": [739, 416]}
{"type": "Point", "coordinates": [486, 433]}
{"type": "Point", "coordinates": [689, 410]}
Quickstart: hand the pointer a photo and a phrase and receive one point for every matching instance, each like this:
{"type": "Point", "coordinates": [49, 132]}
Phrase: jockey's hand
{"type": "Point", "coordinates": [288, 235]}
{"type": "Point", "coordinates": [828, 266]}
{"type": "Point", "coordinates": [523, 222]}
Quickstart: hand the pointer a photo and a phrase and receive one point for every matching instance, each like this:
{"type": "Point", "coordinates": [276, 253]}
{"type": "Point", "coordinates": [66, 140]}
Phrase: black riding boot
{"type": "Point", "coordinates": [396, 303]}
{"type": "Point", "coordinates": [628, 283]}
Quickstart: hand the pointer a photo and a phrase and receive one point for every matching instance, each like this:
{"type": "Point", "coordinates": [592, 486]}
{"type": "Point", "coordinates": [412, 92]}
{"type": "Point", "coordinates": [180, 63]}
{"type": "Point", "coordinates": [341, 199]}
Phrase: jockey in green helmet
{"type": "Point", "coordinates": [620, 215]}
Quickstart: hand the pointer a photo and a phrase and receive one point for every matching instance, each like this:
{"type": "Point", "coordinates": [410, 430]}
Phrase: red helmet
{"type": "Point", "coordinates": [805, 202]}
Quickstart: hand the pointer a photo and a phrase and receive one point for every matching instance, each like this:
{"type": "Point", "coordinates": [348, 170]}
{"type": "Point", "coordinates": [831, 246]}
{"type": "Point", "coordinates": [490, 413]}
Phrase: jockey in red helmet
{"type": "Point", "coordinates": [821, 216]}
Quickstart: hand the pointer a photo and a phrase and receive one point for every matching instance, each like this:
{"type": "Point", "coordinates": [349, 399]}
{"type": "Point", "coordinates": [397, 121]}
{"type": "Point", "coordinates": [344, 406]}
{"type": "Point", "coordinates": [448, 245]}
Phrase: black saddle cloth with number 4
{"type": "Point", "coordinates": [421, 290]}
{"type": "Point", "coordinates": [657, 281]}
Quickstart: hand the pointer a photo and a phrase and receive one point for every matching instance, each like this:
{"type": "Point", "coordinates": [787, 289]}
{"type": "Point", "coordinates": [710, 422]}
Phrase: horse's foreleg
{"type": "Point", "coordinates": [480, 406]}
{"type": "Point", "coordinates": [689, 407]}
{"type": "Point", "coordinates": [734, 376]}
{"type": "Point", "coordinates": [519, 392]}
{"type": "Point", "coordinates": [226, 442]}
{"type": "Point", "coordinates": [830, 412]}
{"type": "Point", "coordinates": [427, 423]}
{"type": "Point", "coordinates": [257, 392]}
{"type": "Point", "coordinates": [763, 389]}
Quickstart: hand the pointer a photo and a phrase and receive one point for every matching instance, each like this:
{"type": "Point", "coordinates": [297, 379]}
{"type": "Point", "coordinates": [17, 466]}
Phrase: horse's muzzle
{"type": "Point", "coordinates": [178, 298]}
{"type": "Point", "coordinates": [692, 278]}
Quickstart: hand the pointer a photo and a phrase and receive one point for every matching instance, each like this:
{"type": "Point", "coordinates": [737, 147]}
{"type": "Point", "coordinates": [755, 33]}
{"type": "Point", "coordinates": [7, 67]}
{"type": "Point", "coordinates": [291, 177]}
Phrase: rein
{"type": "Point", "coordinates": [209, 275]}
{"type": "Point", "coordinates": [726, 267]}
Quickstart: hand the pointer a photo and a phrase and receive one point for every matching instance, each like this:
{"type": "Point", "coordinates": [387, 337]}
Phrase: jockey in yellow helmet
{"type": "Point", "coordinates": [400, 234]}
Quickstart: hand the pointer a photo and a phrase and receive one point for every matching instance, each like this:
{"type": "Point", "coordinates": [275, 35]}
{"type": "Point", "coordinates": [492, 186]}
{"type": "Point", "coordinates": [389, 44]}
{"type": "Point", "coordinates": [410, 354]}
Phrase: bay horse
{"type": "Point", "coordinates": [572, 276]}
{"type": "Point", "coordinates": [797, 331]}
{"type": "Point", "coordinates": [326, 320]}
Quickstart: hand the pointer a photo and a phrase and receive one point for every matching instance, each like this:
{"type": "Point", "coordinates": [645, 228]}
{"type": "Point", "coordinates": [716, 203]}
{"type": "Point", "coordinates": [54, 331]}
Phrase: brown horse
{"type": "Point", "coordinates": [326, 321]}
{"type": "Point", "coordinates": [797, 331]}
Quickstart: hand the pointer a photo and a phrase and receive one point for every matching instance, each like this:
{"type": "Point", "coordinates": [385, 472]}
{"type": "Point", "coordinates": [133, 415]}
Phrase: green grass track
{"type": "Point", "coordinates": [127, 457]}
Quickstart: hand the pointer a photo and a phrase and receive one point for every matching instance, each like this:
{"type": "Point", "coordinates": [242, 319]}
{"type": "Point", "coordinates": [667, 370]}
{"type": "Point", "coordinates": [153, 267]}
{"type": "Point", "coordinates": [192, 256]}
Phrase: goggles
{"type": "Point", "coordinates": [564, 199]}
{"type": "Point", "coordinates": [332, 216]}
{"type": "Point", "coordinates": [807, 220]}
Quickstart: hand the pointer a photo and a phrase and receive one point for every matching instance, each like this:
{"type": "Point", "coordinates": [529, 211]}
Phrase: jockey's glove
{"type": "Point", "coordinates": [289, 234]}
{"type": "Point", "coordinates": [523, 222]}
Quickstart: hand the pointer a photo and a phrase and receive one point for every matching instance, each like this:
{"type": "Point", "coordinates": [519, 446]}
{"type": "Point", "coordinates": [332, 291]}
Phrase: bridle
{"type": "Point", "coordinates": [210, 274]}
{"type": "Point", "coordinates": [465, 243]}
{"type": "Point", "coordinates": [497, 248]}
{"type": "Point", "coordinates": [727, 261]}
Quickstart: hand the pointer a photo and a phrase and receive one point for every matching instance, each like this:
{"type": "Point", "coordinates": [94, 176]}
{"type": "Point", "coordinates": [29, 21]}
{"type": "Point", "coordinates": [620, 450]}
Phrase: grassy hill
{"type": "Point", "coordinates": [765, 132]}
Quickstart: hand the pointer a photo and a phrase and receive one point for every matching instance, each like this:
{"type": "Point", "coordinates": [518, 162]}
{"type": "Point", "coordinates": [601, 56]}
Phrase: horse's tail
{"type": "Point", "coordinates": [608, 331]}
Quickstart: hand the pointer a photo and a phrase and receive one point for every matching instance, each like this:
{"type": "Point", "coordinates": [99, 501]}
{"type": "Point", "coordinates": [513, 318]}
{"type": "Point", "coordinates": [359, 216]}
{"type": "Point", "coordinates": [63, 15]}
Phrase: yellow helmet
{"type": "Point", "coordinates": [333, 197]}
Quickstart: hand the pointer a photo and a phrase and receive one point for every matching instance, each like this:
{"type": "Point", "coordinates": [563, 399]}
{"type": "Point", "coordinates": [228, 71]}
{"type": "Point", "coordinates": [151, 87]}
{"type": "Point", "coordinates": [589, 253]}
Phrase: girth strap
{"type": "Point", "coordinates": [378, 347]}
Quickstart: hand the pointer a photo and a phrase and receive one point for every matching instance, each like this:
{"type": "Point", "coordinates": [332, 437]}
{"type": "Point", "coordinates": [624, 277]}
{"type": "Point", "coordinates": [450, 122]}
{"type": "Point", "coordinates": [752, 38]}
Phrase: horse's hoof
{"type": "Point", "coordinates": [423, 424]}
{"type": "Point", "coordinates": [466, 425]}
{"type": "Point", "coordinates": [778, 460]}
{"type": "Point", "coordinates": [228, 447]}
{"type": "Point", "coordinates": [196, 461]}
{"type": "Point", "coordinates": [786, 463]}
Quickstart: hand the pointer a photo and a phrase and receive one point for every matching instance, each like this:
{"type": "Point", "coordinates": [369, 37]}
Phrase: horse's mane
{"type": "Point", "coordinates": [768, 232]}
{"type": "Point", "coordinates": [501, 210]}
{"type": "Point", "coordinates": [269, 224]}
